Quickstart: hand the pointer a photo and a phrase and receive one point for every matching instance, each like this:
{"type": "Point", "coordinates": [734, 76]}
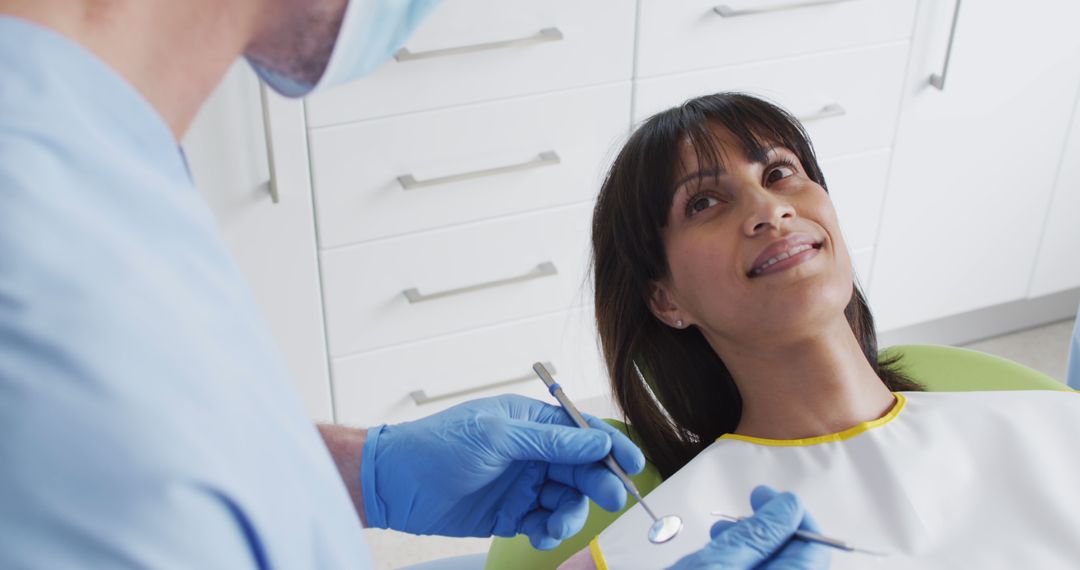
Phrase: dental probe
{"type": "Point", "coordinates": [662, 529]}
{"type": "Point", "coordinates": [812, 537]}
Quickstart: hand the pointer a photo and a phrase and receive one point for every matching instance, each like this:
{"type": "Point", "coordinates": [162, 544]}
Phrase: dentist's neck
{"type": "Point", "coordinates": [817, 385]}
{"type": "Point", "coordinates": [173, 52]}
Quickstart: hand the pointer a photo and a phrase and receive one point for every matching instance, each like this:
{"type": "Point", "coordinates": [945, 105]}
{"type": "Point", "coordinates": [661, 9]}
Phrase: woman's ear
{"type": "Point", "coordinates": [665, 309]}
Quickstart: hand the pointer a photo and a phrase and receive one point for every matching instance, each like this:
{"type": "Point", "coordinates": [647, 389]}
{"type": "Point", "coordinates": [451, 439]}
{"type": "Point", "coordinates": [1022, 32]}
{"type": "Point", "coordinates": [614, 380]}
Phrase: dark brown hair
{"type": "Point", "coordinates": [688, 398]}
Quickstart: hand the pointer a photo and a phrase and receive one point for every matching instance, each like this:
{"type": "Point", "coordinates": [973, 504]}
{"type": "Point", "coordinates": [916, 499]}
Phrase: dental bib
{"type": "Point", "coordinates": [944, 480]}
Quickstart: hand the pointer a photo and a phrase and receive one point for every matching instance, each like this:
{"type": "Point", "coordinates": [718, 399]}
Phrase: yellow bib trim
{"type": "Point", "coordinates": [597, 556]}
{"type": "Point", "coordinates": [839, 436]}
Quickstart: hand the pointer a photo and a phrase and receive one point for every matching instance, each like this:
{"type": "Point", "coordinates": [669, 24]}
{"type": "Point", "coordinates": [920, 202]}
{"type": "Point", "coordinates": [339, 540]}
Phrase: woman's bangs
{"type": "Point", "coordinates": [755, 124]}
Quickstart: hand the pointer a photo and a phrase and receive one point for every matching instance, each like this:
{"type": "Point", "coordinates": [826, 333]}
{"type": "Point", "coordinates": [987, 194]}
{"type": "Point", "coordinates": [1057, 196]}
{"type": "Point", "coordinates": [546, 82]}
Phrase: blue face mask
{"type": "Point", "coordinates": [371, 32]}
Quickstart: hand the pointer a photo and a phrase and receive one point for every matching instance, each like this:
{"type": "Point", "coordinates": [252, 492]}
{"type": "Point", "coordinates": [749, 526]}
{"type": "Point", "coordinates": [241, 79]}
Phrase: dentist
{"type": "Point", "coordinates": [146, 418]}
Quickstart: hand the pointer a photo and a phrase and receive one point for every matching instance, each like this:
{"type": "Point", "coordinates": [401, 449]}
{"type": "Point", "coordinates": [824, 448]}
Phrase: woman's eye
{"type": "Point", "coordinates": [700, 203]}
{"type": "Point", "coordinates": [779, 173]}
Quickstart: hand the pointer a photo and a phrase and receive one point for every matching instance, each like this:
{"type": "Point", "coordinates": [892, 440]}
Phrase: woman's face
{"type": "Point", "coordinates": [754, 248]}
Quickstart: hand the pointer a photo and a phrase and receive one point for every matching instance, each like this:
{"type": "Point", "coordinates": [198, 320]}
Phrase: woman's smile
{"type": "Point", "coordinates": [784, 254]}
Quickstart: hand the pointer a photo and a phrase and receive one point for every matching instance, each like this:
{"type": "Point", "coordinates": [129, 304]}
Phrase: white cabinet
{"type": "Point", "coordinates": [468, 51]}
{"type": "Point", "coordinates": [453, 197]}
{"type": "Point", "coordinates": [974, 163]}
{"type": "Point", "coordinates": [503, 131]}
{"type": "Point", "coordinates": [394, 176]}
{"type": "Point", "coordinates": [1058, 265]}
{"type": "Point", "coordinates": [274, 244]}
{"type": "Point", "coordinates": [695, 34]}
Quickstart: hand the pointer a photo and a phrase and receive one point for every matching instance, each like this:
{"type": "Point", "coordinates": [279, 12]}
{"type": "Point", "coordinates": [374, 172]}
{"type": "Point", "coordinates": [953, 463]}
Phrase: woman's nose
{"type": "Point", "coordinates": [767, 211]}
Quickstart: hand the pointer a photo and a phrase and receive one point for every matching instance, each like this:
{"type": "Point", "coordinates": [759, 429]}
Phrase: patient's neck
{"type": "Point", "coordinates": [813, 386]}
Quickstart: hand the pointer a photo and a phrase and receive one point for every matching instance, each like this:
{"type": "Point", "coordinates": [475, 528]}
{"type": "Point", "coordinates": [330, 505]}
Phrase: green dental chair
{"type": "Point", "coordinates": [937, 368]}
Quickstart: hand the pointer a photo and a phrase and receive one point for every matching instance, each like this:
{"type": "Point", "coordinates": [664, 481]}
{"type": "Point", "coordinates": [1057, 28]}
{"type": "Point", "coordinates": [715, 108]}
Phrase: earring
{"type": "Point", "coordinates": [678, 323]}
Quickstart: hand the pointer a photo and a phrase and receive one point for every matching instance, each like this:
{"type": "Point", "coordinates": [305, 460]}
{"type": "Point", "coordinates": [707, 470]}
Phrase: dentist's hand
{"type": "Point", "coordinates": [763, 540]}
{"type": "Point", "coordinates": [499, 466]}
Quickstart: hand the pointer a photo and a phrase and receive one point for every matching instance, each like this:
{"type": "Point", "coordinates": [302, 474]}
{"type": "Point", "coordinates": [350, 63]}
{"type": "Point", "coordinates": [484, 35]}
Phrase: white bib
{"type": "Point", "coordinates": [944, 480]}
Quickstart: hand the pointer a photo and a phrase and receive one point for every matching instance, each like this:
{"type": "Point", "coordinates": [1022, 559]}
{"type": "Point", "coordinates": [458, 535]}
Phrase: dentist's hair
{"type": "Point", "coordinates": [690, 398]}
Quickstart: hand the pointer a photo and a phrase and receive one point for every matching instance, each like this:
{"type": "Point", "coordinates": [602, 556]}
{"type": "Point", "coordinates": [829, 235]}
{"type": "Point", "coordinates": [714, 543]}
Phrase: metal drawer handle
{"type": "Point", "coordinates": [421, 396]}
{"type": "Point", "coordinates": [271, 185]}
{"type": "Point", "coordinates": [543, 36]}
{"type": "Point", "coordinates": [728, 12]}
{"type": "Point", "coordinates": [827, 112]}
{"type": "Point", "coordinates": [546, 158]}
{"type": "Point", "coordinates": [545, 269]}
{"type": "Point", "coordinates": [938, 80]}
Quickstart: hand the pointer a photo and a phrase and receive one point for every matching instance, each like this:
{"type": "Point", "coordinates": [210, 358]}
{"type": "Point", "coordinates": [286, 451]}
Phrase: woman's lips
{"type": "Point", "coordinates": [796, 255]}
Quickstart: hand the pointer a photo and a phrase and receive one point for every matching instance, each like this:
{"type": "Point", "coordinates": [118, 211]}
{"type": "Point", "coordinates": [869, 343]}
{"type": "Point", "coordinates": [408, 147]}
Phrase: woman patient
{"type": "Point", "coordinates": [722, 274]}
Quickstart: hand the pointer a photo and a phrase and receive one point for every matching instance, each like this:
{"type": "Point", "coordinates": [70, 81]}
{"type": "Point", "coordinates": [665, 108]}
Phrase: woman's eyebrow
{"type": "Point", "coordinates": [761, 154]}
{"type": "Point", "coordinates": [714, 172]}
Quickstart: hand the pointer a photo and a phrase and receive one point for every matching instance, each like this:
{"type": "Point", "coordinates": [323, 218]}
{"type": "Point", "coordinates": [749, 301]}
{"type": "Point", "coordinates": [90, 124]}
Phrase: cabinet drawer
{"type": "Point", "coordinates": [433, 375]}
{"type": "Point", "coordinates": [847, 101]}
{"type": "Point", "coordinates": [857, 188]}
{"type": "Point", "coordinates": [583, 43]}
{"type": "Point", "coordinates": [478, 275]}
{"type": "Point", "coordinates": [690, 34]}
{"type": "Point", "coordinates": [466, 164]}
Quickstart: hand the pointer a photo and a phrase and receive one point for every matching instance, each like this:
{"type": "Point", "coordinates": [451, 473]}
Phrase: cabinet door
{"type": "Point", "coordinates": [1058, 264]}
{"type": "Point", "coordinates": [273, 243]}
{"type": "Point", "coordinates": [975, 162]}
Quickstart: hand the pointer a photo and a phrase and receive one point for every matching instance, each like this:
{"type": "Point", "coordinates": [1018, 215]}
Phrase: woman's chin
{"type": "Point", "coordinates": [809, 307]}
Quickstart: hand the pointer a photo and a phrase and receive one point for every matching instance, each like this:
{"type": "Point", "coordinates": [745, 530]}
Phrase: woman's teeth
{"type": "Point", "coordinates": [773, 260]}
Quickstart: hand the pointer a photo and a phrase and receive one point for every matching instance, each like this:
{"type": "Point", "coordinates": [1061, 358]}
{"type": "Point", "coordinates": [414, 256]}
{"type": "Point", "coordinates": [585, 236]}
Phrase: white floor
{"type": "Point", "coordinates": [1044, 348]}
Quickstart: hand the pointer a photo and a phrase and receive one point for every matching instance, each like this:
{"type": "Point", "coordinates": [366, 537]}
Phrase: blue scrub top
{"type": "Point", "coordinates": [146, 417]}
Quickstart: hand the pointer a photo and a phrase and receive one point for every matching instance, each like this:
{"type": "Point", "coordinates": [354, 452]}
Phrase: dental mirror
{"type": "Point", "coordinates": [664, 529]}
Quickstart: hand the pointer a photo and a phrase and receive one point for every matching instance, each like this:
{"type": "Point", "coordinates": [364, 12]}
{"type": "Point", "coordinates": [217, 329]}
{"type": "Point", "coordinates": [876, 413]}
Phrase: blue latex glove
{"type": "Point", "coordinates": [763, 540]}
{"type": "Point", "coordinates": [499, 466]}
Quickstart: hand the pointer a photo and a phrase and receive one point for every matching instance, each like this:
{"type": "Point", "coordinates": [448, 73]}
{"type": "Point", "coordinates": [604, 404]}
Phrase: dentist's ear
{"type": "Point", "coordinates": [665, 309]}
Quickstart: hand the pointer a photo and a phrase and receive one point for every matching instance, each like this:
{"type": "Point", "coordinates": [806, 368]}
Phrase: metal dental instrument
{"type": "Point", "coordinates": [662, 529]}
{"type": "Point", "coordinates": [813, 537]}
